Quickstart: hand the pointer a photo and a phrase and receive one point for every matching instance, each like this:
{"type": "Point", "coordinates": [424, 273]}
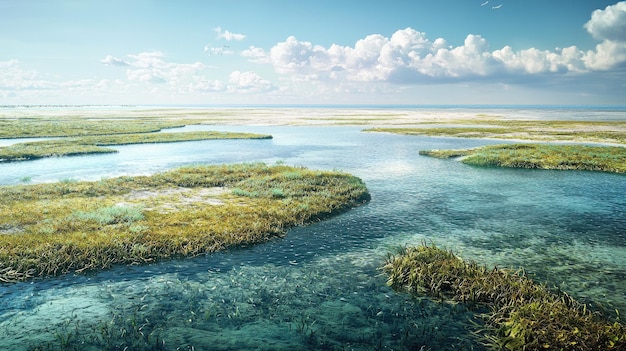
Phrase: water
{"type": "Point", "coordinates": [320, 287]}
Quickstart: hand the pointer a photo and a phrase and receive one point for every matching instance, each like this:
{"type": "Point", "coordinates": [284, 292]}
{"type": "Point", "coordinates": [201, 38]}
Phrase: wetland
{"type": "Point", "coordinates": [319, 286]}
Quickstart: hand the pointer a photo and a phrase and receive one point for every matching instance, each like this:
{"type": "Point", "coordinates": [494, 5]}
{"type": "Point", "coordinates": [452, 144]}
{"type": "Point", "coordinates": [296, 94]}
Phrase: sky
{"type": "Point", "coordinates": [255, 52]}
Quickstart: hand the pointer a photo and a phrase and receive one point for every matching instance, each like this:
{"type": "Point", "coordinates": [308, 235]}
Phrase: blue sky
{"type": "Point", "coordinates": [313, 52]}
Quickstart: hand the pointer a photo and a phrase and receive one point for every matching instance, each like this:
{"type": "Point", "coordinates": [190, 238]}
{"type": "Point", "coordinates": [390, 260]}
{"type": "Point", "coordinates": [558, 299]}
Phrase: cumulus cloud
{"type": "Point", "coordinates": [609, 24]}
{"type": "Point", "coordinates": [257, 55]}
{"type": "Point", "coordinates": [153, 68]}
{"type": "Point", "coordinates": [409, 56]}
{"type": "Point", "coordinates": [607, 55]}
{"type": "Point", "coordinates": [227, 35]}
{"type": "Point", "coordinates": [406, 56]}
{"type": "Point", "coordinates": [248, 82]}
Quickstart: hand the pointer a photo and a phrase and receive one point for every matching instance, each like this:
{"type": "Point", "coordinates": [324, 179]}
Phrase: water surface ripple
{"type": "Point", "coordinates": [320, 287]}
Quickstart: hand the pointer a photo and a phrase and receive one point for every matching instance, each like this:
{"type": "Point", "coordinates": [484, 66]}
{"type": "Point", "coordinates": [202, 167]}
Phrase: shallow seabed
{"type": "Point", "coordinates": [320, 286]}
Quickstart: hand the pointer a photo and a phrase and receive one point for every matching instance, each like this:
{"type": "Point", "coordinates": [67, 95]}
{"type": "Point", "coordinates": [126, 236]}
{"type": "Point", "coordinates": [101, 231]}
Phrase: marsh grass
{"type": "Point", "coordinates": [74, 126]}
{"type": "Point", "coordinates": [95, 144]}
{"type": "Point", "coordinates": [541, 156]}
{"type": "Point", "coordinates": [611, 132]}
{"type": "Point", "coordinates": [520, 314]}
{"type": "Point", "coordinates": [64, 227]}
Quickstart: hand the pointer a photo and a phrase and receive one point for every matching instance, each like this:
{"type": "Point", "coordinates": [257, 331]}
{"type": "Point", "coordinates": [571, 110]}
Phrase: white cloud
{"type": "Point", "coordinates": [293, 56]}
{"type": "Point", "coordinates": [13, 77]}
{"type": "Point", "coordinates": [609, 24]}
{"type": "Point", "coordinates": [607, 55]}
{"type": "Point", "coordinates": [154, 71]}
{"type": "Point", "coordinates": [227, 35]}
{"type": "Point", "coordinates": [223, 50]}
{"type": "Point", "coordinates": [203, 85]}
{"type": "Point", "coordinates": [151, 67]}
{"type": "Point", "coordinates": [248, 82]}
{"type": "Point", "coordinates": [257, 55]}
{"type": "Point", "coordinates": [409, 56]}
{"type": "Point", "coordinates": [114, 61]}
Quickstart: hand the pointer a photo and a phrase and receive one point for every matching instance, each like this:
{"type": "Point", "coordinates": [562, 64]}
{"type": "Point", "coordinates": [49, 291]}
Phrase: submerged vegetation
{"type": "Point", "coordinates": [542, 156]}
{"type": "Point", "coordinates": [58, 228]}
{"type": "Point", "coordinates": [94, 144]}
{"type": "Point", "coordinates": [519, 314]}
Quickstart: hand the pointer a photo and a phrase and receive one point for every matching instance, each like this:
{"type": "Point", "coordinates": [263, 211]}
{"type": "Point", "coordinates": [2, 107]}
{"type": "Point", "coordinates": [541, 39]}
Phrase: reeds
{"type": "Point", "coordinates": [57, 228]}
{"type": "Point", "coordinates": [542, 156]}
{"type": "Point", "coordinates": [522, 315]}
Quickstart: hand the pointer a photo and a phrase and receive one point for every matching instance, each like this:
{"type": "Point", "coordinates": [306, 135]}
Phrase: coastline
{"type": "Point", "coordinates": [541, 124]}
{"type": "Point", "coordinates": [326, 115]}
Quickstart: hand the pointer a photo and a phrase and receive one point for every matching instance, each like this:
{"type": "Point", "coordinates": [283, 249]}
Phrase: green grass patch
{"type": "Point", "coordinates": [542, 156]}
{"type": "Point", "coordinates": [58, 228]}
{"type": "Point", "coordinates": [35, 127]}
{"type": "Point", "coordinates": [519, 314]}
{"type": "Point", "coordinates": [613, 132]}
{"type": "Point", "coordinates": [95, 144]}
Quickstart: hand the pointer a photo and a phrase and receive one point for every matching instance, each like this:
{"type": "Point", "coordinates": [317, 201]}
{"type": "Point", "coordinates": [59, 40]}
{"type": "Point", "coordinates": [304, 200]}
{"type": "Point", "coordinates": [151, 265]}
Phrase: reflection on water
{"type": "Point", "coordinates": [320, 287]}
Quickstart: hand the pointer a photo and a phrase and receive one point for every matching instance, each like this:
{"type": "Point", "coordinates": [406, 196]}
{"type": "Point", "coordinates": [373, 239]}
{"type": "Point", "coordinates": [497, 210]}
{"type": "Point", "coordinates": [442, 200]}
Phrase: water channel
{"type": "Point", "coordinates": [320, 287]}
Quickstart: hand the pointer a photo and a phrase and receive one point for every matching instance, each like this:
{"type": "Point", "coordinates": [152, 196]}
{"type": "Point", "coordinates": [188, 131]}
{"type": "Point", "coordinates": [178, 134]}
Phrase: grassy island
{"type": "Point", "coordinates": [541, 156]}
{"type": "Point", "coordinates": [607, 132]}
{"type": "Point", "coordinates": [94, 144]}
{"type": "Point", "coordinates": [520, 314]}
{"type": "Point", "coordinates": [58, 228]}
{"type": "Point", "coordinates": [62, 126]}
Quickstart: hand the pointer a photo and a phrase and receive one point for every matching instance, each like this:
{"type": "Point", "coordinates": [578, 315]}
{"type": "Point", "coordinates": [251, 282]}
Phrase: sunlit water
{"type": "Point", "coordinates": [320, 287]}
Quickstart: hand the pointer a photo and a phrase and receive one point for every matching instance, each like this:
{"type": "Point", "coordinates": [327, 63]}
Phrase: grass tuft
{"type": "Point", "coordinates": [522, 315]}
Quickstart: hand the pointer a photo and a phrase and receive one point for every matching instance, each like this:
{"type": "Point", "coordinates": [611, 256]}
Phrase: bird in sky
{"type": "Point", "coordinates": [496, 7]}
{"type": "Point", "coordinates": [484, 3]}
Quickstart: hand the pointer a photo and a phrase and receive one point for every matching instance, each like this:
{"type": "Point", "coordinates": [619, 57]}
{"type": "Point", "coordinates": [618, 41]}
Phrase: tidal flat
{"type": "Point", "coordinates": [320, 286]}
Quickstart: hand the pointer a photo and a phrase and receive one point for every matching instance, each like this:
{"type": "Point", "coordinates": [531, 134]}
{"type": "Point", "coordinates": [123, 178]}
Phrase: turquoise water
{"type": "Point", "coordinates": [320, 287]}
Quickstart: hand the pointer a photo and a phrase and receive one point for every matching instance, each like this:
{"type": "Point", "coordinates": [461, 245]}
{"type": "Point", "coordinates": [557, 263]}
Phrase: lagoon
{"type": "Point", "coordinates": [321, 287]}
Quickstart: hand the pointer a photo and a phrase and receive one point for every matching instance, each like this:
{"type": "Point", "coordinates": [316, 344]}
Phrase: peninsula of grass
{"type": "Point", "coordinates": [541, 156]}
{"type": "Point", "coordinates": [518, 313]}
{"type": "Point", "coordinates": [95, 143]}
{"type": "Point", "coordinates": [57, 228]}
{"type": "Point", "coordinates": [35, 127]}
{"type": "Point", "coordinates": [606, 132]}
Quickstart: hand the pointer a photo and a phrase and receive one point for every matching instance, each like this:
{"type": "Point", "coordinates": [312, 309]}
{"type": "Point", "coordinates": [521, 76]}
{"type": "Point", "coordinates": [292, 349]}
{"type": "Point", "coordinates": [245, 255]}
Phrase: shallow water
{"type": "Point", "coordinates": [320, 286]}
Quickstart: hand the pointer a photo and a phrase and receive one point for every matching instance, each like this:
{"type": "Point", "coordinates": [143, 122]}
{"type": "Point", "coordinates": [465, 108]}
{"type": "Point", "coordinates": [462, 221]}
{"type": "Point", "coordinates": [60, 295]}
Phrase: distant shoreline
{"type": "Point", "coordinates": [323, 106]}
{"type": "Point", "coordinates": [323, 115]}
